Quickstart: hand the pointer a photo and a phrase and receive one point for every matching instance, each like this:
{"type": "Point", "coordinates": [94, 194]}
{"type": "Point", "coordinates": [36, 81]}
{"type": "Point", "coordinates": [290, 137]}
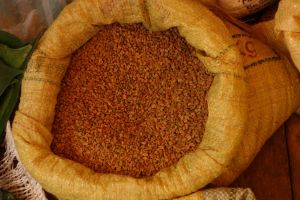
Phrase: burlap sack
{"type": "Point", "coordinates": [287, 27]}
{"type": "Point", "coordinates": [284, 30]}
{"type": "Point", "coordinates": [274, 94]}
{"type": "Point", "coordinates": [238, 8]}
{"type": "Point", "coordinates": [221, 194]}
{"type": "Point", "coordinates": [77, 23]}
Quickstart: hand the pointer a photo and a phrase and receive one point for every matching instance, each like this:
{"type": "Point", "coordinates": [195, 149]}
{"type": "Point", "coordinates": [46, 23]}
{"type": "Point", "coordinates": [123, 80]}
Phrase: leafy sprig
{"type": "Point", "coordinates": [14, 56]}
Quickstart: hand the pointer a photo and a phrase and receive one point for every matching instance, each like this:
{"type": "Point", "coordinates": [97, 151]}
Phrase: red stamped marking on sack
{"type": "Point", "coordinates": [247, 48]}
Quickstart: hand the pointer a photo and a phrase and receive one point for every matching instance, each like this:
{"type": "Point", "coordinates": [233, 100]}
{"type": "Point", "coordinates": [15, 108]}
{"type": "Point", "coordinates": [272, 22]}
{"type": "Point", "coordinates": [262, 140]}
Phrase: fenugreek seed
{"type": "Point", "coordinates": [132, 102]}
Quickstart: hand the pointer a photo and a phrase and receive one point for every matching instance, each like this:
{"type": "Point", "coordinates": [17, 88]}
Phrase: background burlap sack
{"type": "Point", "coordinates": [274, 94]}
{"type": "Point", "coordinates": [287, 27]}
{"type": "Point", "coordinates": [77, 23]}
{"type": "Point", "coordinates": [283, 31]}
{"type": "Point", "coordinates": [238, 8]}
{"type": "Point", "coordinates": [274, 85]}
{"type": "Point", "coordinates": [221, 194]}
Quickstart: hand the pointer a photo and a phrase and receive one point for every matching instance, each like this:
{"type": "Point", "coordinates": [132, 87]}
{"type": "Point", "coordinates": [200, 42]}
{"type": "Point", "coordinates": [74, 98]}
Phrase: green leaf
{"type": "Point", "coordinates": [17, 58]}
{"type": "Point", "coordinates": [4, 195]}
{"type": "Point", "coordinates": [10, 40]}
{"type": "Point", "coordinates": [8, 102]}
{"type": "Point", "coordinates": [7, 76]}
{"type": "Point", "coordinates": [14, 57]}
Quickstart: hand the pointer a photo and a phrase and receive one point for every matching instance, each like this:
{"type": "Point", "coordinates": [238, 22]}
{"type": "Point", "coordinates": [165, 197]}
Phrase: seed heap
{"type": "Point", "coordinates": [132, 102]}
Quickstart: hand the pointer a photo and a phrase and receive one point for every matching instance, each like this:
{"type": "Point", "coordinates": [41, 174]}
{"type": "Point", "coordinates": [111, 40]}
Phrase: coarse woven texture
{"type": "Point", "coordinates": [14, 177]}
{"type": "Point", "coordinates": [78, 22]}
{"type": "Point", "coordinates": [221, 194]}
{"type": "Point", "coordinates": [274, 88]}
{"type": "Point", "coordinates": [283, 31]}
{"type": "Point", "coordinates": [139, 117]}
{"type": "Point", "coordinates": [287, 27]}
{"type": "Point", "coordinates": [238, 8]}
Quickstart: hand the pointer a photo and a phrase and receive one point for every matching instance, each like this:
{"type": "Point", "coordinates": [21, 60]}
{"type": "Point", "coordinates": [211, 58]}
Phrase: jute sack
{"type": "Point", "coordinates": [284, 30]}
{"type": "Point", "coordinates": [274, 94]}
{"type": "Point", "coordinates": [79, 21]}
{"type": "Point", "coordinates": [287, 27]}
{"type": "Point", "coordinates": [221, 194]}
{"type": "Point", "coordinates": [238, 8]}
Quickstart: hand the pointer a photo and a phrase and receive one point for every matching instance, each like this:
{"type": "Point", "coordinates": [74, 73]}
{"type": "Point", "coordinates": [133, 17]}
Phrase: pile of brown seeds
{"type": "Point", "coordinates": [132, 101]}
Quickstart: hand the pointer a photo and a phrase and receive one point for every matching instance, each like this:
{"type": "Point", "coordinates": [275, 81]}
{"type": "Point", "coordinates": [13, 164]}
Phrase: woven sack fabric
{"type": "Point", "coordinates": [239, 8]}
{"type": "Point", "coordinates": [221, 194]}
{"type": "Point", "coordinates": [274, 88]}
{"type": "Point", "coordinates": [77, 23]}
